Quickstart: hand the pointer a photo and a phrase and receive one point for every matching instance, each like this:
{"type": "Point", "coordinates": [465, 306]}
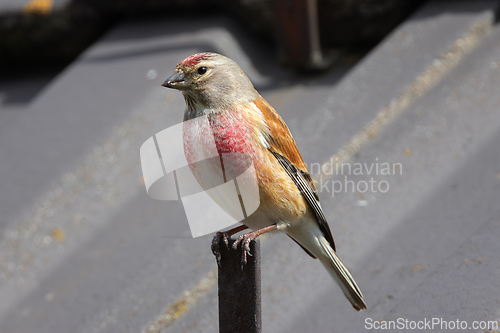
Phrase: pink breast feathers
{"type": "Point", "coordinates": [231, 135]}
{"type": "Point", "coordinates": [231, 141]}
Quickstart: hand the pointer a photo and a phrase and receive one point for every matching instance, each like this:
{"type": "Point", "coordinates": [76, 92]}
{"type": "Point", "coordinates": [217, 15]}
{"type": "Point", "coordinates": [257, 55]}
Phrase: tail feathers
{"type": "Point", "coordinates": [342, 276]}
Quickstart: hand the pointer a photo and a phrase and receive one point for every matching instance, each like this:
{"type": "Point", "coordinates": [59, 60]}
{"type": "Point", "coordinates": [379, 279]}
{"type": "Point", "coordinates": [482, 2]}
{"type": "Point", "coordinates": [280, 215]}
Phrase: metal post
{"type": "Point", "coordinates": [239, 290]}
{"type": "Point", "coordinates": [297, 30]}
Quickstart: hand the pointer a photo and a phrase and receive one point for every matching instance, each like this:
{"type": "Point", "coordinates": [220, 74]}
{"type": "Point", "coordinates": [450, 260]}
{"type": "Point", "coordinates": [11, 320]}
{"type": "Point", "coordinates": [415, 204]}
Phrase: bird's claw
{"type": "Point", "coordinates": [245, 247]}
{"type": "Point", "coordinates": [216, 242]}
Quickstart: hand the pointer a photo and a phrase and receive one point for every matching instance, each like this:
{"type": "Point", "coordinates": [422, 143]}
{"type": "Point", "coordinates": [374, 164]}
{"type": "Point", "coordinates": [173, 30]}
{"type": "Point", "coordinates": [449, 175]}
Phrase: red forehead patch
{"type": "Point", "coordinates": [193, 59]}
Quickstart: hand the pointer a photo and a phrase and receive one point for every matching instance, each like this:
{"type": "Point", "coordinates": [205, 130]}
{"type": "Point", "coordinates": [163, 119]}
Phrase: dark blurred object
{"type": "Point", "coordinates": [343, 24]}
{"type": "Point", "coordinates": [39, 33]}
{"type": "Point", "coordinates": [308, 30]}
{"type": "Point", "coordinates": [297, 29]}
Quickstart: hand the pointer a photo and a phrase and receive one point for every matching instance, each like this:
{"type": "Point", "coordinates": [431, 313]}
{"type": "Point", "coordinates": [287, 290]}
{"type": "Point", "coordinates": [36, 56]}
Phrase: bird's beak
{"type": "Point", "coordinates": [176, 81]}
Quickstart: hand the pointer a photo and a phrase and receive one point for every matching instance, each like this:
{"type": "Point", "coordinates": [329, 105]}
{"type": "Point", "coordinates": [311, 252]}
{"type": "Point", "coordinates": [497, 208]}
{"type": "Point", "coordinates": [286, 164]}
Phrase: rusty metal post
{"type": "Point", "coordinates": [297, 33]}
{"type": "Point", "coordinates": [239, 291]}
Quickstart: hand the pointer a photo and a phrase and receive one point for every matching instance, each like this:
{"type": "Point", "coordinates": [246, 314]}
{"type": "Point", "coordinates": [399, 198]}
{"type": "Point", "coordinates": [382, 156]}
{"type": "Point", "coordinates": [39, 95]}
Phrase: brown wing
{"type": "Point", "coordinates": [281, 139]}
{"type": "Point", "coordinates": [283, 147]}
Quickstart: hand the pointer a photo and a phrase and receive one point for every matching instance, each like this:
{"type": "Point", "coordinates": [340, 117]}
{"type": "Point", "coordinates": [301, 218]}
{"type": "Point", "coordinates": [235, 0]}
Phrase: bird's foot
{"type": "Point", "coordinates": [224, 237]}
{"type": "Point", "coordinates": [245, 246]}
{"type": "Point", "coordinates": [220, 237]}
{"type": "Point", "coordinates": [245, 240]}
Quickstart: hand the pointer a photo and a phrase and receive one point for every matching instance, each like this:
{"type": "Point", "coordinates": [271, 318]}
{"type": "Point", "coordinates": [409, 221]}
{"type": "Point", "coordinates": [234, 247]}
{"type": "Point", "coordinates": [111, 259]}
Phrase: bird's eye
{"type": "Point", "coordinates": [202, 70]}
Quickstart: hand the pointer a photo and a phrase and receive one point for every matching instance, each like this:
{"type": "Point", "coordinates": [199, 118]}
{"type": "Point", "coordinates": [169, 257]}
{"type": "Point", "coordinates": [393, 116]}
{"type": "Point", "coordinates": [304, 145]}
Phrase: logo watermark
{"type": "Point", "coordinates": [430, 324]}
{"type": "Point", "coordinates": [366, 177]}
{"type": "Point", "coordinates": [217, 191]}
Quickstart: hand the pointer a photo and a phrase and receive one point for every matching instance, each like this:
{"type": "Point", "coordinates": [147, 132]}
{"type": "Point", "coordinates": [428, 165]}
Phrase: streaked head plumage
{"type": "Point", "coordinates": [211, 80]}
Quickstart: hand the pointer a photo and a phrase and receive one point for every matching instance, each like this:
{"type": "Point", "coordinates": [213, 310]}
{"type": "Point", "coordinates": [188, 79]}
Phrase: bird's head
{"type": "Point", "coordinates": [211, 80]}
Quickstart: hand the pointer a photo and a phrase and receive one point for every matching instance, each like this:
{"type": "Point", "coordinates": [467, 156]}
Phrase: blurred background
{"type": "Point", "coordinates": [404, 92]}
{"type": "Point", "coordinates": [39, 33]}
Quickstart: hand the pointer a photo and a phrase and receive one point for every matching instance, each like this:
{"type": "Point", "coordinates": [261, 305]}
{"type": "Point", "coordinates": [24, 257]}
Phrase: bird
{"type": "Point", "coordinates": [242, 121]}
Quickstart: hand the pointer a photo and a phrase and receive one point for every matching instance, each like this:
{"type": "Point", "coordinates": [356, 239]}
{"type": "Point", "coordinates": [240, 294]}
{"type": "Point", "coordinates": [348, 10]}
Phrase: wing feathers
{"type": "Point", "coordinates": [283, 147]}
{"type": "Point", "coordinates": [309, 194]}
{"type": "Point", "coordinates": [279, 137]}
